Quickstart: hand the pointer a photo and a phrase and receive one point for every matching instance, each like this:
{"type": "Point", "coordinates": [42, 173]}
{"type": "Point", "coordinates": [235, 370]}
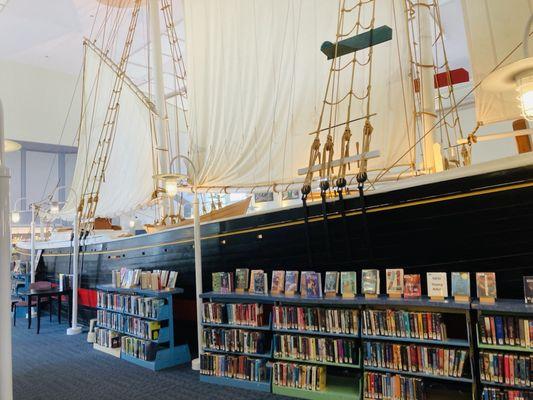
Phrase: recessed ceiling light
{"type": "Point", "coordinates": [10, 146]}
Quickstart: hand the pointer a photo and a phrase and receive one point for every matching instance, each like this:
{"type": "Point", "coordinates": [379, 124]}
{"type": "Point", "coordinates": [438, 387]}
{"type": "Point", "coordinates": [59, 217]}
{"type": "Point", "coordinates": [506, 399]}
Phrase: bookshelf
{"type": "Point", "coordinates": [137, 330]}
{"type": "Point", "coordinates": [503, 343]}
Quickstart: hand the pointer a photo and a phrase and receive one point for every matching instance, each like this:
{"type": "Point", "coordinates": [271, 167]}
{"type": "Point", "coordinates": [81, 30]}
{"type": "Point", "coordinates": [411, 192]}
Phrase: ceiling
{"type": "Point", "coordinates": [49, 34]}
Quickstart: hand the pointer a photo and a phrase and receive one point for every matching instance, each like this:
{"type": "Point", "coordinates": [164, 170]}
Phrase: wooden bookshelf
{"type": "Point", "coordinates": [167, 353]}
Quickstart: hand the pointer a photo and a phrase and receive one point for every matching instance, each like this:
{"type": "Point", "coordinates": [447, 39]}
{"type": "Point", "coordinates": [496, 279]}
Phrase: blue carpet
{"type": "Point", "coordinates": [54, 366]}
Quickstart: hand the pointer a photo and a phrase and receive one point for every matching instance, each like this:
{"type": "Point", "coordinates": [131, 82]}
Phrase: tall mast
{"type": "Point", "coordinates": [161, 126]}
{"type": "Point", "coordinates": [432, 148]}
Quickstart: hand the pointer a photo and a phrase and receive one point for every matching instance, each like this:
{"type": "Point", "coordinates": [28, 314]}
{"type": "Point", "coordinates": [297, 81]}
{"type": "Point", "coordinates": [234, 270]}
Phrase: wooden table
{"type": "Point", "coordinates": [49, 293]}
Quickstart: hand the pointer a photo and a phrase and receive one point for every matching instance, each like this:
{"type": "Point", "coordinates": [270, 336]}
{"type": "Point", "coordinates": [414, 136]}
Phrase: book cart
{"type": "Point", "coordinates": [456, 318]}
{"type": "Point", "coordinates": [167, 354]}
{"type": "Point", "coordinates": [507, 342]}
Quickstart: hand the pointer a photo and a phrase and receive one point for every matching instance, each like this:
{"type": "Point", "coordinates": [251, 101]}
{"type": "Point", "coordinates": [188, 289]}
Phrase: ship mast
{"type": "Point", "coordinates": [161, 126]}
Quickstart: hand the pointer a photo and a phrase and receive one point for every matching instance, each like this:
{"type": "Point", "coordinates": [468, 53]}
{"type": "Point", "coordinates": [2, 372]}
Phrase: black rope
{"type": "Point", "coordinates": [324, 186]}
{"type": "Point", "coordinates": [361, 179]}
{"type": "Point", "coordinates": [306, 189]}
{"type": "Point", "coordinates": [341, 184]}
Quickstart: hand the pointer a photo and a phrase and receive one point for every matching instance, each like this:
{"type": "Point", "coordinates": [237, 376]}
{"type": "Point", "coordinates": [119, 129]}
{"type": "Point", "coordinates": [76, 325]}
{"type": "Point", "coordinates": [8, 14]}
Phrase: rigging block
{"type": "Point", "coordinates": [357, 42]}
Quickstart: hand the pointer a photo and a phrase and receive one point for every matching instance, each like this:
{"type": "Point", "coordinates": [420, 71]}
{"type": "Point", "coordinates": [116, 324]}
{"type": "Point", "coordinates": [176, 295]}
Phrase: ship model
{"type": "Point", "coordinates": [351, 105]}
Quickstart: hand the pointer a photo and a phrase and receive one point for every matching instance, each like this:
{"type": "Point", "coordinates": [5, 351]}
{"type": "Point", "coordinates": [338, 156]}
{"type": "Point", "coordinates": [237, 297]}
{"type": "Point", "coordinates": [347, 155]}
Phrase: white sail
{"type": "Point", "coordinates": [493, 29]}
{"type": "Point", "coordinates": [256, 80]}
{"type": "Point", "coordinates": [128, 181]}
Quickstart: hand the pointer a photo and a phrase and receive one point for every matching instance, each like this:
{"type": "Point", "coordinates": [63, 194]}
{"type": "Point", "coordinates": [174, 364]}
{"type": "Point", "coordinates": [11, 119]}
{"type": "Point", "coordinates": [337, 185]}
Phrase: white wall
{"type": "Point", "coordinates": [36, 102]}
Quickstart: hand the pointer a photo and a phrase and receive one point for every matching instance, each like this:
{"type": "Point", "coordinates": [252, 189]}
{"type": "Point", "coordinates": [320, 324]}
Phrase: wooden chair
{"type": "Point", "coordinates": [40, 285]}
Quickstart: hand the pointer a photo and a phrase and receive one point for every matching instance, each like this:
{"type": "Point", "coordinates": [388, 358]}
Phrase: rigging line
{"type": "Point", "coordinates": [459, 103]}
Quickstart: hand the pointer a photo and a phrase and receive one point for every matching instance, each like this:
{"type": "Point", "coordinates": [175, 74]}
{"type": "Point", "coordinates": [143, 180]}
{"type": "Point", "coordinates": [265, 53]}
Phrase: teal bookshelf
{"type": "Point", "coordinates": [165, 353]}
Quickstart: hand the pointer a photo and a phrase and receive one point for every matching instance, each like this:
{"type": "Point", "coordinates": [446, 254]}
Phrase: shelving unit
{"type": "Point", "coordinates": [504, 308]}
{"type": "Point", "coordinates": [167, 353]}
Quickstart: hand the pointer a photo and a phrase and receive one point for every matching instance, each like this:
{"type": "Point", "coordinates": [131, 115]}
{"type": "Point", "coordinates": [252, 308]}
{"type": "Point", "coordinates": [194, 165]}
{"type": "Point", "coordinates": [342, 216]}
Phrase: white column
{"type": "Point", "coordinates": [6, 369]}
{"type": "Point", "coordinates": [33, 267]}
{"type": "Point", "coordinates": [75, 329]}
{"type": "Point", "coordinates": [432, 148]}
{"type": "Point", "coordinates": [163, 154]}
{"type": "Point", "coordinates": [198, 275]}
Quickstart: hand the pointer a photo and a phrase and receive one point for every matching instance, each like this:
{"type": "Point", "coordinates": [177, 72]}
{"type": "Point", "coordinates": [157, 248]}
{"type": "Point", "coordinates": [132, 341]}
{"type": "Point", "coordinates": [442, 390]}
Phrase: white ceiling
{"type": "Point", "coordinates": [49, 34]}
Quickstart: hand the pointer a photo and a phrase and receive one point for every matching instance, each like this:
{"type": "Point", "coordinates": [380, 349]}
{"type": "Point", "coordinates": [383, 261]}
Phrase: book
{"type": "Point", "coordinates": [394, 280]}
{"type": "Point", "coordinates": [486, 285]}
{"type": "Point", "coordinates": [461, 285]}
{"type": "Point", "coordinates": [316, 319]}
{"type": "Point", "coordinates": [253, 273]}
{"type": "Point", "coordinates": [437, 285]}
{"type": "Point", "coordinates": [313, 284]}
{"type": "Point", "coordinates": [242, 276]}
{"type": "Point", "coordinates": [528, 289]}
{"type": "Point", "coordinates": [172, 279]}
{"type": "Point", "coordinates": [216, 278]}
{"type": "Point", "coordinates": [291, 282]}
{"type": "Point", "coordinates": [226, 282]}
{"type": "Point", "coordinates": [155, 283]}
{"type": "Point", "coordinates": [302, 281]}
{"type": "Point", "coordinates": [238, 366]}
{"type": "Point", "coordinates": [331, 283]}
{"type": "Point", "coordinates": [348, 283]}
{"type": "Point", "coordinates": [412, 288]}
{"type": "Point", "coordinates": [278, 281]}
{"type": "Point", "coordinates": [370, 282]}
{"type": "Point", "coordinates": [260, 282]}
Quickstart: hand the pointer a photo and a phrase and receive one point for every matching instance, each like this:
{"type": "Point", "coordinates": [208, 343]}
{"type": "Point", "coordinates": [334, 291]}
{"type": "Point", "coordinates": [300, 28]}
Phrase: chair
{"type": "Point", "coordinates": [40, 285]}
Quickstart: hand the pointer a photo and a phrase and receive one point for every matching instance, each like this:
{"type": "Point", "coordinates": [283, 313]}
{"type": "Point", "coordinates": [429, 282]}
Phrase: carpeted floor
{"type": "Point", "coordinates": [54, 366]}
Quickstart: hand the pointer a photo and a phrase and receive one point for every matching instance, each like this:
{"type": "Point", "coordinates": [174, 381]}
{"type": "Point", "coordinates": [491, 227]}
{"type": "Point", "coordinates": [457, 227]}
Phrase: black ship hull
{"type": "Point", "coordinates": [482, 222]}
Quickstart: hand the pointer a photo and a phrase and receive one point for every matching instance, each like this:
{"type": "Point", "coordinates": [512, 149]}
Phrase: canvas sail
{"type": "Point", "coordinates": [493, 29]}
{"type": "Point", "coordinates": [128, 181]}
{"type": "Point", "coordinates": [256, 80]}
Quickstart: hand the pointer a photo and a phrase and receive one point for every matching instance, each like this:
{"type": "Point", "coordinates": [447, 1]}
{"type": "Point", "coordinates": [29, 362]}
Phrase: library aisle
{"type": "Point", "coordinates": [54, 366]}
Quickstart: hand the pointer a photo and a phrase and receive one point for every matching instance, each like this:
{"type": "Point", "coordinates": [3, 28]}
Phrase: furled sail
{"type": "Point", "coordinates": [256, 81]}
{"type": "Point", "coordinates": [128, 180]}
{"type": "Point", "coordinates": [493, 29]}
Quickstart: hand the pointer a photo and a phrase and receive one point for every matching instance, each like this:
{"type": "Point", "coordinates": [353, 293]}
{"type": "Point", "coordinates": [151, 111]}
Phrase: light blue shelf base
{"type": "Point", "coordinates": [236, 383]}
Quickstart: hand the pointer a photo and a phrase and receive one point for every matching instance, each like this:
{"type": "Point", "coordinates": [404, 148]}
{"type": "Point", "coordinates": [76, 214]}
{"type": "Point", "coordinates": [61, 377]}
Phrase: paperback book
{"type": "Point", "coordinates": [331, 284]}
{"type": "Point", "coordinates": [216, 278]}
{"type": "Point", "coordinates": [486, 286]}
{"type": "Point", "coordinates": [278, 282]}
{"type": "Point", "coordinates": [348, 283]}
{"type": "Point", "coordinates": [313, 284]}
{"type": "Point", "coordinates": [412, 288]}
{"type": "Point", "coordinates": [291, 282]}
{"type": "Point", "coordinates": [370, 282]}
{"type": "Point", "coordinates": [394, 279]}
{"type": "Point", "coordinates": [260, 283]}
{"type": "Point", "coordinates": [437, 285]}
{"type": "Point", "coordinates": [528, 289]}
{"type": "Point", "coordinates": [242, 276]}
{"type": "Point", "coordinates": [253, 273]}
{"type": "Point", "coordinates": [226, 282]}
{"type": "Point", "coordinates": [461, 286]}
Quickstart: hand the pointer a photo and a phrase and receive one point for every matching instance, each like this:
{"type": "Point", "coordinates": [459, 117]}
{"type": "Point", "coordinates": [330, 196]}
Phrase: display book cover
{"type": "Point", "coordinates": [291, 282]}
{"type": "Point", "coordinates": [370, 282]}
{"type": "Point", "coordinates": [486, 286]}
{"type": "Point", "coordinates": [412, 286]}
{"type": "Point", "coordinates": [348, 283]}
{"type": "Point", "coordinates": [461, 286]}
{"type": "Point", "coordinates": [278, 282]}
{"type": "Point", "coordinates": [437, 284]}
{"type": "Point", "coordinates": [394, 280]}
{"type": "Point", "coordinates": [258, 281]}
{"type": "Point", "coordinates": [331, 284]}
{"type": "Point", "coordinates": [528, 289]}
{"type": "Point", "coordinates": [312, 284]}
{"type": "Point", "coordinates": [242, 279]}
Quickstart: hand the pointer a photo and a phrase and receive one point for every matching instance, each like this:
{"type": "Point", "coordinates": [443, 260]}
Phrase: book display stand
{"type": "Point", "coordinates": [505, 346]}
{"type": "Point", "coordinates": [165, 352]}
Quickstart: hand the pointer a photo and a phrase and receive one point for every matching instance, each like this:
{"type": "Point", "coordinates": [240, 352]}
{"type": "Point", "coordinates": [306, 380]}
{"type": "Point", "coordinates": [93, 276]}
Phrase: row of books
{"type": "Point", "coordinates": [505, 394]}
{"type": "Point", "coordinates": [128, 324]}
{"type": "Point", "coordinates": [231, 366]}
{"type": "Point", "coordinates": [237, 340]}
{"type": "Point", "coordinates": [506, 330]}
{"type": "Point", "coordinates": [309, 283]}
{"type": "Point", "coordinates": [392, 387]}
{"type": "Point", "coordinates": [415, 358]}
{"type": "Point", "coordinates": [322, 349]}
{"type": "Point", "coordinates": [237, 314]}
{"type": "Point", "coordinates": [148, 307]}
{"type": "Point", "coordinates": [405, 324]}
{"type": "Point", "coordinates": [143, 349]}
{"type": "Point", "coordinates": [154, 280]}
{"type": "Point", "coordinates": [510, 369]}
{"type": "Point", "coordinates": [107, 338]}
{"type": "Point", "coordinates": [332, 320]}
{"type": "Point", "coordinates": [308, 377]}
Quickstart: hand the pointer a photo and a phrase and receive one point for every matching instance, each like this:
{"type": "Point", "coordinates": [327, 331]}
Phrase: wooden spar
{"type": "Point", "coordinates": [357, 42]}
{"type": "Point", "coordinates": [523, 142]}
{"type": "Point", "coordinates": [342, 161]}
{"type": "Point", "coordinates": [496, 136]}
